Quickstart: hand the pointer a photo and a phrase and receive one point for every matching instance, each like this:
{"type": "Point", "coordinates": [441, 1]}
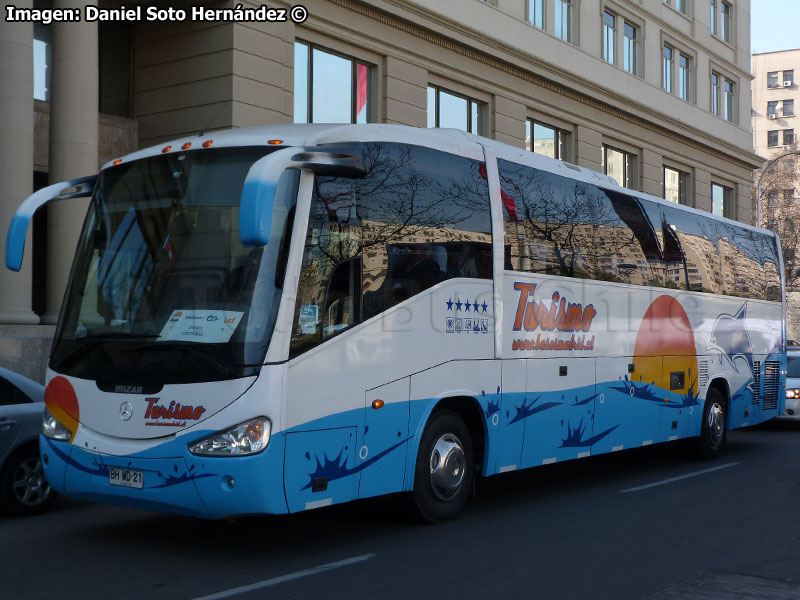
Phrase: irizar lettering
{"type": "Point", "coordinates": [560, 315]}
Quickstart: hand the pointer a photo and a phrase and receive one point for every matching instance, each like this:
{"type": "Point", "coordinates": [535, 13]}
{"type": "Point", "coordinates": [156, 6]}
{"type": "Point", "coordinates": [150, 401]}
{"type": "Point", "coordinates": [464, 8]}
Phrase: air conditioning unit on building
{"type": "Point", "coordinates": [787, 84]}
{"type": "Point", "coordinates": [772, 116]}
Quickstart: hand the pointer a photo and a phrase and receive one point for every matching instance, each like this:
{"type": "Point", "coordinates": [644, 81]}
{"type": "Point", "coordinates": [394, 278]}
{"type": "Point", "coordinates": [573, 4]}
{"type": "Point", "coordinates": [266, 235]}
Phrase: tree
{"type": "Point", "coordinates": [780, 210]}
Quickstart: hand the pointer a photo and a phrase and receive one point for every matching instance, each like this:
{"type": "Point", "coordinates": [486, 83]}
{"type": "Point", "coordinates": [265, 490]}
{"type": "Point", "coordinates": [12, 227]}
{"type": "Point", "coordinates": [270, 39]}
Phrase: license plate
{"type": "Point", "coordinates": [126, 478]}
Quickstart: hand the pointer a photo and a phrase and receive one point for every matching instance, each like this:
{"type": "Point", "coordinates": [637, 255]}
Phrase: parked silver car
{"type": "Point", "coordinates": [23, 488]}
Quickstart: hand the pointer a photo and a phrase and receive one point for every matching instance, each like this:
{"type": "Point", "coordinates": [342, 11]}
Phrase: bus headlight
{"type": "Point", "coordinates": [52, 429]}
{"type": "Point", "coordinates": [250, 437]}
{"type": "Point", "coordinates": [792, 394]}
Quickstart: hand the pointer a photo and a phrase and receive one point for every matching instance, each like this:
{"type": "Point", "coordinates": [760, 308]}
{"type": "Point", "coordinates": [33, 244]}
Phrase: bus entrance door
{"type": "Point", "coordinates": [381, 455]}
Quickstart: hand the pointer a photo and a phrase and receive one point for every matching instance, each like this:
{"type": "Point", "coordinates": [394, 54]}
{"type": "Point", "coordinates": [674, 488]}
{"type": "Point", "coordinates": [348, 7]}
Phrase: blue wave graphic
{"type": "Point", "coordinates": [333, 469]}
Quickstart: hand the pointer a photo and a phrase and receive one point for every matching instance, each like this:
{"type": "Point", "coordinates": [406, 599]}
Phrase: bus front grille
{"type": "Point", "coordinates": [772, 379]}
{"type": "Point", "coordinates": [756, 381]}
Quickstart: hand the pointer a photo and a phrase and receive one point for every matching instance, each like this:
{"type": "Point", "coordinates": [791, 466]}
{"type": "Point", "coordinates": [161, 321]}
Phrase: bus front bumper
{"type": "Point", "coordinates": [174, 482]}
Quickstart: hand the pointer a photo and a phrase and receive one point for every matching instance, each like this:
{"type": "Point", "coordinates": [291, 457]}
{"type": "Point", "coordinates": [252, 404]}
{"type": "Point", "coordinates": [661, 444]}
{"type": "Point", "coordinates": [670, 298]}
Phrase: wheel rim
{"type": "Point", "coordinates": [447, 466]}
{"type": "Point", "coordinates": [715, 424]}
{"type": "Point", "coordinates": [28, 484]}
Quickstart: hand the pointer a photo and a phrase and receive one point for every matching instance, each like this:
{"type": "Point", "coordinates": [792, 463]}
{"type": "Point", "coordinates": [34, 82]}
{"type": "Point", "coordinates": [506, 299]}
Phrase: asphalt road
{"type": "Point", "coordinates": [596, 528]}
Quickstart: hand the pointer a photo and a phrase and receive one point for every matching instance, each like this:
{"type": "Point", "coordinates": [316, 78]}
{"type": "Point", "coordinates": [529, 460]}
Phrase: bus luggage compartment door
{"type": "Point", "coordinates": [319, 468]}
{"type": "Point", "coordinates": [559, 410]}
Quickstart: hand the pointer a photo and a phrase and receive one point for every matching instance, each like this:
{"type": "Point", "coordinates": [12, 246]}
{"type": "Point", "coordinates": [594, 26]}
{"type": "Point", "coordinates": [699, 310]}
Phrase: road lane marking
{"type": "Point", "coordinates": [284, 578]}
{"type": "Point", "coordinates": [673, 479]}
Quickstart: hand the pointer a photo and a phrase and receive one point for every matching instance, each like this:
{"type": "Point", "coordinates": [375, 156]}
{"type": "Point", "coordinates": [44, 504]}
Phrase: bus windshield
{"type": "Point", "coordinates": [162, 289]}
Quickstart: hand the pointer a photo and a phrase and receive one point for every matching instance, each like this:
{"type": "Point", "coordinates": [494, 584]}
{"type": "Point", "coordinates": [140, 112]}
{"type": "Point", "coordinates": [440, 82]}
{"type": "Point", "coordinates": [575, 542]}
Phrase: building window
{"type": "Point", "coordinates": [609, 36]}
{"type": "Point", "coordinates": [667, 69]}
{"type": "Point", "coordinates": [42, 61]}
{"type": "Point", "coordinates": [772, 79]}
{"type": "Point", "coordinates": [788, 196]}
{"type": "Point", "coordinates": [629, 49]}
{"type": "Point", "coordinates": [772, 198]}
{"type": "Point", "coordinates": [722, 200]}
{"type": "Point", "coordinates": [788, 78]}
{"type": "Point", "coordinates": [536, 13]}
{"type": "Point", "coordinates": [685, 77]}
{"type": "Point", "coordinates": [788, 108]}
{"type": "Point", "coordinates": [772, 109]}
{"type": "Point", "coordinates": [713, 6]}
{"type": "Point", "coordinates": [680, 5]}
{"type": "Point", "coordinates": [772, 138]}
{"type": "Point", "coordinates": [788, 137]}
{"type": "Point", "coordinates": [329, 88]}
{"type": "Point", "coordinates": [676, 185]}
{"type": "Point", "coordinates": [563, 20]}
{"type": "Point", "coordinates": [546, 139]}
{"type": "Point", "coordinates": [620, 165]}
{"type": "Point", "coordinates": [714, 94]}
{"type": "Point", "coordinates": [728, 101]}
{"type": "Point", "coordinates": [446, 109]}
{"type": "Point", "coordinates": [725, 23]}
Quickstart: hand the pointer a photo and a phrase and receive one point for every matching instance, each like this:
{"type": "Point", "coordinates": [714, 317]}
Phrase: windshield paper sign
{"type": "Point", "coordinates": [557, 319]}
{"type": "Point", "coordinates": [204, 326]}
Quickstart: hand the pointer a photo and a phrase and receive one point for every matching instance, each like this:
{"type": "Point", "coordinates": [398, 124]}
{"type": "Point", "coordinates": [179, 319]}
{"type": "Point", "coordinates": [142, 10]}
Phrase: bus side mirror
{"type": "Point", "coordinates": [15, 238]}
{"type": "Point", "coordinates": [261, 183]}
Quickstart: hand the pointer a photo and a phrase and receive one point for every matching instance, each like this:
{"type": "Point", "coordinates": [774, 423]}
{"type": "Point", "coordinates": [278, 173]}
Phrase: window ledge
{"type": "Point", "coordinates": [728, 44]}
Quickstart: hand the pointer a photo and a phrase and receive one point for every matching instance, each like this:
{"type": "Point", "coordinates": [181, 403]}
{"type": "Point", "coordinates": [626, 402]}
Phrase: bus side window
{"type": "Point", "coordinates": [749, 264]}
{"type": "Point", "coordinates": [560, 226]}
{"type": "Point", "coordinates": [426, 219]}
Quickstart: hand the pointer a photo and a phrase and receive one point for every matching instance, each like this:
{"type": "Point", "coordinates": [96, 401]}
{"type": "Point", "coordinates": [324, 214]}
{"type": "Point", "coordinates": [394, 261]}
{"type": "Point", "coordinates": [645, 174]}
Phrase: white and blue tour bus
{"type": "Point", "coordinates": [276, 319]}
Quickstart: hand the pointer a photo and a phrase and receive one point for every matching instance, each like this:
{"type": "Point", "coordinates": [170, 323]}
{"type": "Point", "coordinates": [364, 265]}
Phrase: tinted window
{"type": "Point", "coordinates": [418, 218]}
{"type": "Point", "coordinates": [793, 365]}
{"type": "Point", "coordinates": [559, 226]}
{"type": "Point", "coordinates": [749, 262]}
{"type": "Point", "coordinates": [698, 240]}
{"type": "Point", "coordinates": [11, 394]}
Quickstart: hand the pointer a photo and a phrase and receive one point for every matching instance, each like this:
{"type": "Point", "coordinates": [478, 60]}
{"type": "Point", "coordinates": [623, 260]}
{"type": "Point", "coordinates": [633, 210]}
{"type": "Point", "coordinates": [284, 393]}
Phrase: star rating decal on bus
{"type": "Point", "coordinates": [455, 324]}
{"type": "Point", "coordinates": [474, 306]}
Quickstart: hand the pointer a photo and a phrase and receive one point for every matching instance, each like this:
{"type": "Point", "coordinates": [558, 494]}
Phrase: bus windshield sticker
{"type": "Point", "coordinates": [205, 326]}
{"type": "Point", "coordinates": [309, 317]}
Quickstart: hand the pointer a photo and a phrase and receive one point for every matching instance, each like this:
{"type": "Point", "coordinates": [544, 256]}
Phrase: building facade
{"type": "Point", "coordinates": [656, 93]}
{"type": "Point", "coordinates": [774, 93]}
{"type": "Point", "coordinates": [775, 129]}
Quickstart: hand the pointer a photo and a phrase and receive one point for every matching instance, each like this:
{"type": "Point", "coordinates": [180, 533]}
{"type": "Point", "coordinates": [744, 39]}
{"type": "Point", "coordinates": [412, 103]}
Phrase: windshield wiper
{"type": "Point", "coordinates": [91, 342]}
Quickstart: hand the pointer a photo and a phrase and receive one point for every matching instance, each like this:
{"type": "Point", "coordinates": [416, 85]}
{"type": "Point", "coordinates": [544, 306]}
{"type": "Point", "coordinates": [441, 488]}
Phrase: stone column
{"type": "Point", "coordinates": [509, 121]}
{"type": "Point", "coordinates": [589, 148]}
{"type": "Point", "coordinates": [405, 93]}
{"type": "Point", "coordinates": [16, 158]}
{"type": "Point", "coordinates": [73, 143]}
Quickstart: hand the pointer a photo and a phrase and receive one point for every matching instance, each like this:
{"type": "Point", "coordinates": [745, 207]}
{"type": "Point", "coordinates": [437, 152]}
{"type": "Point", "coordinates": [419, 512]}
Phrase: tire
{"type": "Point", "coordinates": [23, 488]}
{"type": "Point", "coordinates": [714, 428]}
{"type": "Point", "coordinates": [445, 471]}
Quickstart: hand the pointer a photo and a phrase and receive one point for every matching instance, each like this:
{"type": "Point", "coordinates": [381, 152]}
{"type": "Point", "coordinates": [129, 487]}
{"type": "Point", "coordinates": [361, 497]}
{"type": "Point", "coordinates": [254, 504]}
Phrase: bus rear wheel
{"type": "Point", "coordinates": [714, 429]}
{"type": "Point", "coordinates": [445, 468]}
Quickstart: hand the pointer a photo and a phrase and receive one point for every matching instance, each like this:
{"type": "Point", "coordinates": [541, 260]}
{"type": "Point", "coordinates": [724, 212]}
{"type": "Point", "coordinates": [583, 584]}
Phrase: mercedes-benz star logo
{"type": "Point", "coordinates": [125, 411]}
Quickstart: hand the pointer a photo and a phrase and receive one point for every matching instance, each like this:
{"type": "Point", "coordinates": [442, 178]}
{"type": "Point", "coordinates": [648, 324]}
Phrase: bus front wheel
{"type": "Point", "coordinates": [714, 429]}
{"type": "Point", "coordinates": [445, 469]}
